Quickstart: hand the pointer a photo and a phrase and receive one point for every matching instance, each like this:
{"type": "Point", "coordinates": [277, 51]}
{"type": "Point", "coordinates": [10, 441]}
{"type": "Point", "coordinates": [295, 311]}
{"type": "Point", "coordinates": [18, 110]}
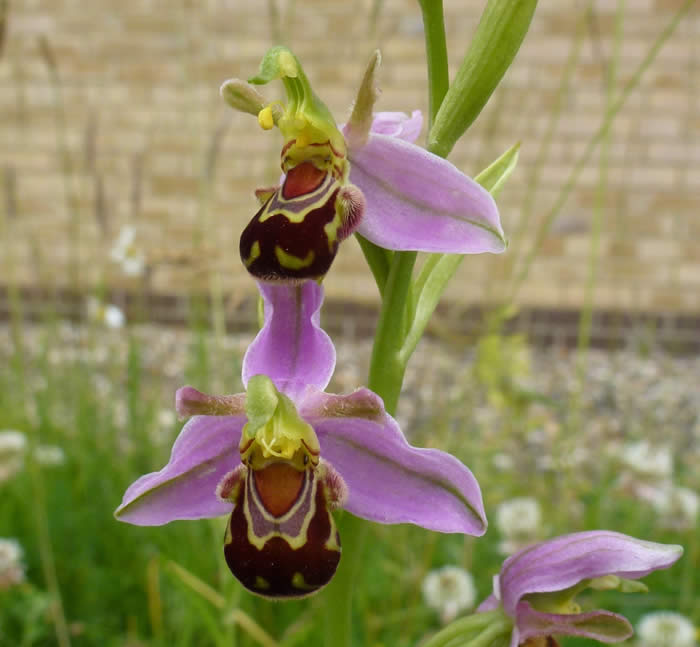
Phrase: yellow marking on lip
{"type": "Point", "coordinates": [298, 582]}
{"type": "Point", "coordinates": [294, 541]}
{"type": "Point", "coordinates": [292, 262]}
{"type": "Point", "coordinates": [331, 231]}
{"type": "Point", "coordinates": [321, 195]}
{"type": "Point", "coordinates": [261, 583]}
{"type": "Point", "coordinates": [332, 541]}
{"type": "Point", "coordinates": [254, 254]}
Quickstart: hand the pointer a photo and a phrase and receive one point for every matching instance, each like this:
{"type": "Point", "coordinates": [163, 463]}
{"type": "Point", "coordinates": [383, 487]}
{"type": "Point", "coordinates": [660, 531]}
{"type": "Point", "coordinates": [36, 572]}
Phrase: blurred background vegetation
{"type": "Point", "coordinates": [564, 371]}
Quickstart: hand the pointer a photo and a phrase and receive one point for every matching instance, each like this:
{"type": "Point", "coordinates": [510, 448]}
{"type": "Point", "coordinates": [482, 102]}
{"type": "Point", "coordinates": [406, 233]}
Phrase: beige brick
{"type": "Point", "coordinates": [147, 80]}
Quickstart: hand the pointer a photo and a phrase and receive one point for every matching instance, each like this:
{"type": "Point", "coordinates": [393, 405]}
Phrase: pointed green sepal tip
{"type": "Point", "coordinates": [261, 402]}
{"type": "Point", "coordinates": [360, 122]}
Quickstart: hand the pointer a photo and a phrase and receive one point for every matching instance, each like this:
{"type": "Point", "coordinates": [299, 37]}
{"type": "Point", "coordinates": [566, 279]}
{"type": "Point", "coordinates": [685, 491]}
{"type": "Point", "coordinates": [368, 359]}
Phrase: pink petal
{"type": "Point", "coordinates": [418, 201]}
{"type": "Point", "coordinates": [603, 626]}
{"type": "Point", "coordinates": [205, 450]}
{"type": "Point", "coordinates": [398, 124]}
{"type": "Point", "coordinates": [291, 349]}
{"type": "Point", "coordinates": [389, 481]}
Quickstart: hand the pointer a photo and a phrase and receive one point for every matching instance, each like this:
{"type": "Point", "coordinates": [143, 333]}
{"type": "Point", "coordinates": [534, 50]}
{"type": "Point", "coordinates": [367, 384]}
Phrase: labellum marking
{"type": "Point", "coordinates": [302, 180]}
{"type": "Point", "coordinates": [254, 254]}
{"type": "Point", "coordinates": [278, 486]}
{"type": "Point", "coordinates": [293, 262]}
{"type": "Point", "coordinates": [298, 207]}
{"type": "Point", "coordinates": [295, 234]}
{"type": "Point", "coordinates": [290, 235]}
{"type": "Point", "coordinates": [281, 540]}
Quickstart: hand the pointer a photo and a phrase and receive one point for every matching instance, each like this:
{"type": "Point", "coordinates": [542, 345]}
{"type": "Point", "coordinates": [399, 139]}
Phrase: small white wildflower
{"type": "Point", "coordinates": [11, 567]}
{"type": "Point", "coordinates": [113, 316]}
{"type": "Point", "coordinates": [449, 590]}
{"type": "Point", "coordinates": [120, 414]}
{"type": "Point", "coordinates": [502, 462]}
{"type": "Point", "coordinates": [126, 253]}
{"type": "Point", "coordinates": [665, 629]}
{"type": "Point", "coordinates": [166, 418]}
{"type": "Point", "coordinates": [10, 552]}
{"type": "Point", "coordinates": [12, 442]}
{"type": "Point", "coordinates": [519, 516]}
{"type": "Point", "coordinates": [49, 455]}
{"type": "Point", "coordinates": [649, 460]}
{"type": "Point", "coordinates": [106, 314]}
{"type": "Point", "coordinates": [13, 445]}
{"type": "Point", "coordinates": [677, 506]}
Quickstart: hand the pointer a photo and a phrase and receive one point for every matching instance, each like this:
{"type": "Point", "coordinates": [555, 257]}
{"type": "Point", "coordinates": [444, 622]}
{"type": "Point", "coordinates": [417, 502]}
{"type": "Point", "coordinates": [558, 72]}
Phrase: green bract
{"type": "Point", "coordinates": [498, 37]}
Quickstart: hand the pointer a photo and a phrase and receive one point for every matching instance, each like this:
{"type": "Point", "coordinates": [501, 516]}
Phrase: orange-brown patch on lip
{"type": "Point", "coordinates": [301, 180]}
{"type": "Point", "coordinates": [278, 486]}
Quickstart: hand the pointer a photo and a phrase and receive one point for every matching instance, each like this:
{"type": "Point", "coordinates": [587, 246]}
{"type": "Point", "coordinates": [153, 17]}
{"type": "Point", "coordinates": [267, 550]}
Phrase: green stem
{"type": "Point", "coordinates": [393, 273]}
{"type": "Point", "coordinates": [387, 367]}
{"type": "Point", "coordinates": [436, 54]}
{"type": "Point", "coordinates": [388, 363]}
{"type": "Point", "coordinates": [378, 259]}
{"type": "Point", "coordinates": [337, 617]}
{"type": "Point", "coordinates": [46, 553]}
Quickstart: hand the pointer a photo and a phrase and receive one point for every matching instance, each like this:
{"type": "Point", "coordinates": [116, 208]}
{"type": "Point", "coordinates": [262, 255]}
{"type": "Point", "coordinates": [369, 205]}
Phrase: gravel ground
{"type": "Point", "coordinates": [630, 390]}
{"type": "Point", "coordinates": [523, 403]}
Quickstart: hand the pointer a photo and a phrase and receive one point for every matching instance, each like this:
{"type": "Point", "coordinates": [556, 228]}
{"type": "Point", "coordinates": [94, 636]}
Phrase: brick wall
{"type": "Point", "coordinates": [110, 114]}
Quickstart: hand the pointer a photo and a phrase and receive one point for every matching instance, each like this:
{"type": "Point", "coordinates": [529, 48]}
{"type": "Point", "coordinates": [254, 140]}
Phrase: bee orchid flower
{"type": "Point", "coordinates": [536, 587]}
{"type": "Point", "coordinates": [278, 458]}
{"type": "Point", "coordinates": [366, 176]}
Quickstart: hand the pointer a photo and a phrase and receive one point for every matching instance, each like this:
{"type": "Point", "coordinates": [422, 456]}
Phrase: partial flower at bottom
{"type": "Point", "coordinates": [281, 456]}
{"type": "Point", "coordinates": [536, 587]}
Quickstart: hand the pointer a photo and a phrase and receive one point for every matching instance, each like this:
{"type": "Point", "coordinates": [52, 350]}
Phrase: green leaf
{"type": "Point", "coordinates": [494, 176]}
{"type": "Point", "coordinates": [498, 37]}
{"type": "Point", "coordinates": [438, 269]}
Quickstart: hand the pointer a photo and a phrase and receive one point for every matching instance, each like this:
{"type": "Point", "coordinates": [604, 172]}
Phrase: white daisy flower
{"type": "Point", "coordinates": [665, 629]}
{"type": "Point", "coordinates": [11, 567]}
{"type": "Point", "coordinates": [13, 445]}
{"type": "Point", "coordinates": [126, 252]}
{"type": "Point", "coordinates": [519, 516]}
{"type": "Point", "coordinates": [449, 590]}
{"type": "Point", "coordinates": [652, 461]}
{"type": "Point", "coordinates": [49, 455]}
{"type": "Point", "coordinates": [677, 506]}
{"type": "Point", "coordinates": [106, 314]}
